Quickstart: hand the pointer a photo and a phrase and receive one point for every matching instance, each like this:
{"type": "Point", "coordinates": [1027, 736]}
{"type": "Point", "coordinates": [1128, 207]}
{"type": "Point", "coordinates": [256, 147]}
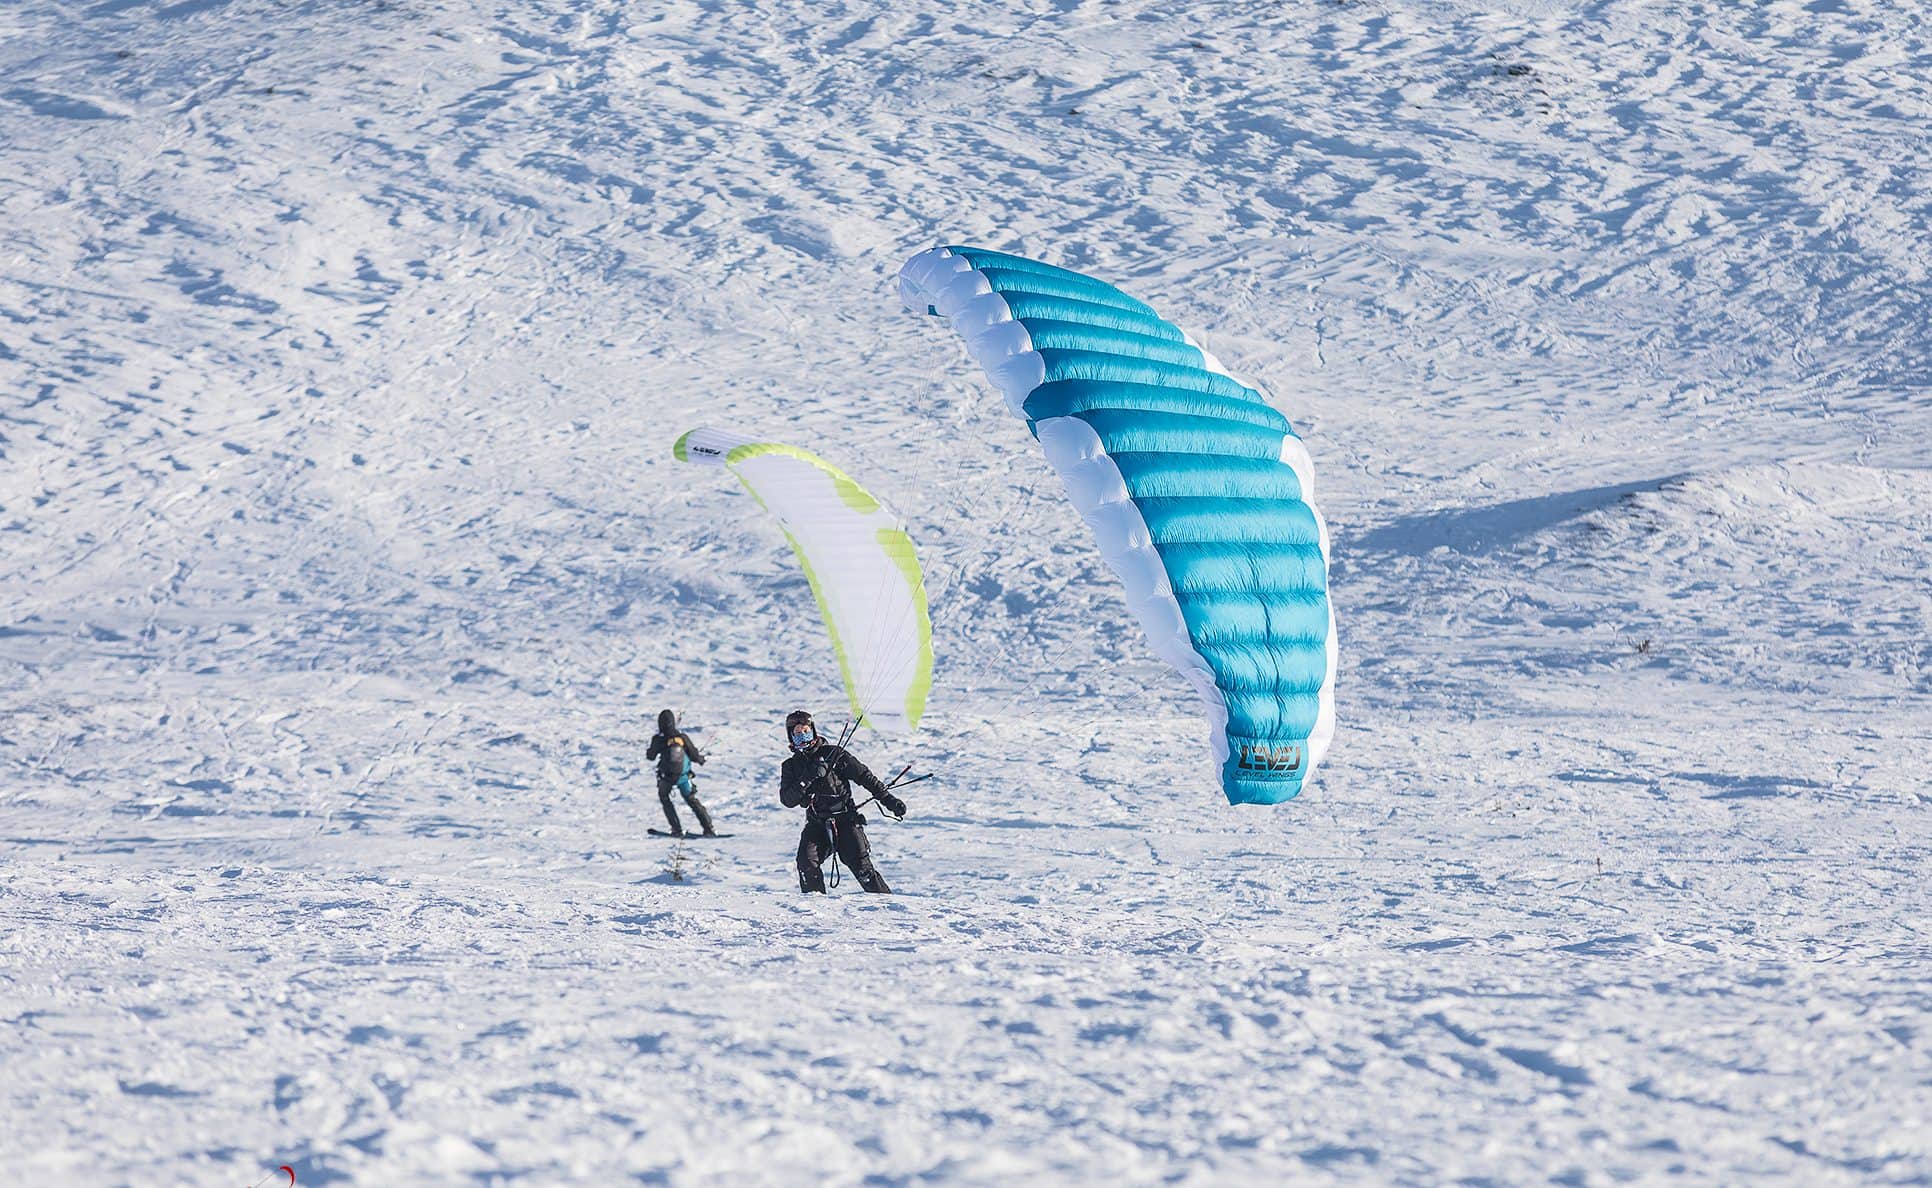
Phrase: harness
{"type": "Point", "coordinates": [840, 799]}
{"type": "Point", "coordinates": [832, 831]}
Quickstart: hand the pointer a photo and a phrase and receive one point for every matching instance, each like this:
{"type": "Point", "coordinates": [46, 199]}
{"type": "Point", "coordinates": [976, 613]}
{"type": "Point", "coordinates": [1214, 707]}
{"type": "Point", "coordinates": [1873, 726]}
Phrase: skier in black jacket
{"type": "Point", "coordinates": [818, 778]}
{"type": "Point", "coordinates": [675, 753]}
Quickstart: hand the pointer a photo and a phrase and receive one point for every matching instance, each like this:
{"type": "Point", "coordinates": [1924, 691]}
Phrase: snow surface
{"type": "Point", "coordinates": [343, 568]}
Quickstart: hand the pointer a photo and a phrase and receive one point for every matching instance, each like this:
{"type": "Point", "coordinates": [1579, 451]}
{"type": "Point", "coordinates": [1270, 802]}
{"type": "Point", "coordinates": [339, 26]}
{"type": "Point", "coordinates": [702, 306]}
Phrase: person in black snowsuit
{"type": "Point", "coordinates": [818, 778]}
{"type": "Point", "coordinates": [675, 753]}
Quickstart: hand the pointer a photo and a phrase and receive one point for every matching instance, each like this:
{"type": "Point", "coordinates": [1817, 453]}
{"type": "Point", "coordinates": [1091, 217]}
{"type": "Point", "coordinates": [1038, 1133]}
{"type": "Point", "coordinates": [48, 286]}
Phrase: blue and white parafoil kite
{"type": "Point", "coordinates": [1199, 494]}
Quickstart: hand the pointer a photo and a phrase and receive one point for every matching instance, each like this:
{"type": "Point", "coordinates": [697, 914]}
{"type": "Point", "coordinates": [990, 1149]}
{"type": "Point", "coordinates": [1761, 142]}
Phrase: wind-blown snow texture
{"type": "Point", "coordinates": [343, 568]}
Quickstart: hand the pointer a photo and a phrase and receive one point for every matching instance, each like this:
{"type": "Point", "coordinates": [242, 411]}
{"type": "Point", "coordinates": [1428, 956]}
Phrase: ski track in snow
{"type": "Point", "coordinates": [343, 568]}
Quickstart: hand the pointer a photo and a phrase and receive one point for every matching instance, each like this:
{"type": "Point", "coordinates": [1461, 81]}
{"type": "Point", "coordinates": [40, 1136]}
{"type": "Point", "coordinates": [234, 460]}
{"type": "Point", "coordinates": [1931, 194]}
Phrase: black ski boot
{"type": "Point", "coordinates": [704, 818]}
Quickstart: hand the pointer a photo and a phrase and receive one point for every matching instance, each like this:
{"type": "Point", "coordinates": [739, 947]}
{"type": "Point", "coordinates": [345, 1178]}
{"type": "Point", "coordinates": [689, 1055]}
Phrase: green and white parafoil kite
{"type": "Point", "coordinates": [860, 563]}
{"type": "Point", "coordinates": [1199, 494]}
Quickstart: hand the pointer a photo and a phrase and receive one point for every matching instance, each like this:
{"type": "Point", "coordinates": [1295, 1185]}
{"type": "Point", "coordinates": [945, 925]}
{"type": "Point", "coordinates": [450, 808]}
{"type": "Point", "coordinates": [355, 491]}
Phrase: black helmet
{"type": "Point", "coordinates": [801, 733]}
{"type": "Point", "coordinates": [667, 722]}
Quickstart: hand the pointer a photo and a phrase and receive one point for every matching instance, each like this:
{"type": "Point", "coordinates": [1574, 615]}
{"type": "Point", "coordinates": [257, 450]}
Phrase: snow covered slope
{"type": "Point", "coordinates": [344, 567]}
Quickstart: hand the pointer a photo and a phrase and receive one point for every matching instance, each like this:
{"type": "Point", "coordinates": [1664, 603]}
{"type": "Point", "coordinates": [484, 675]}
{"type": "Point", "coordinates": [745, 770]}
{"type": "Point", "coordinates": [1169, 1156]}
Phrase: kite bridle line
{"type": "Point", "coordinates": [939, 576]}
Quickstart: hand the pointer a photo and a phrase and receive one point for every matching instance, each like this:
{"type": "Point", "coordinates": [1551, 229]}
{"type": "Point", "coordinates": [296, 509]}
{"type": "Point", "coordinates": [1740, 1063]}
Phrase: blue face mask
{"type": "Point", "coordinates": [803, 735]}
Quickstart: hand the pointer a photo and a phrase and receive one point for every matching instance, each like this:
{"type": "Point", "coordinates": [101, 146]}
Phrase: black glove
{"type": "Point", "coordinates": [892, 804]}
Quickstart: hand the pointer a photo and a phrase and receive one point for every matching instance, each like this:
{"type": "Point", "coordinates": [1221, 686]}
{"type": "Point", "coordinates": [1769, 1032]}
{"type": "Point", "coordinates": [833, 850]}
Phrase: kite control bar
{"type": "Point", "coordinates": [898, 781]}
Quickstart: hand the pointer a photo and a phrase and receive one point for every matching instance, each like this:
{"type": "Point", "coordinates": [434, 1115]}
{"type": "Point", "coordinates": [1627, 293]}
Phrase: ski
{"type": "Point", "coordinates": [686, 836]}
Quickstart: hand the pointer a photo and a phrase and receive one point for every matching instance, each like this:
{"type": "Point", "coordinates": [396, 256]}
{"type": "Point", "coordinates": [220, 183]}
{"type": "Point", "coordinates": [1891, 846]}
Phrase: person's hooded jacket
{"type": "Point", "coordinates": [821, 779]}
{"type": "Point", "coordinates": [672, 748]}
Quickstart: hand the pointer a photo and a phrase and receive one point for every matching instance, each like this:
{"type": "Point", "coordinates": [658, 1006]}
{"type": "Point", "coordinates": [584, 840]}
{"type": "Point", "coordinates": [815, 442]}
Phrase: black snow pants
{"type": "Point", "coordinates": [845, 835]}
{"type": "Point", "coordinates": [683, 784]}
